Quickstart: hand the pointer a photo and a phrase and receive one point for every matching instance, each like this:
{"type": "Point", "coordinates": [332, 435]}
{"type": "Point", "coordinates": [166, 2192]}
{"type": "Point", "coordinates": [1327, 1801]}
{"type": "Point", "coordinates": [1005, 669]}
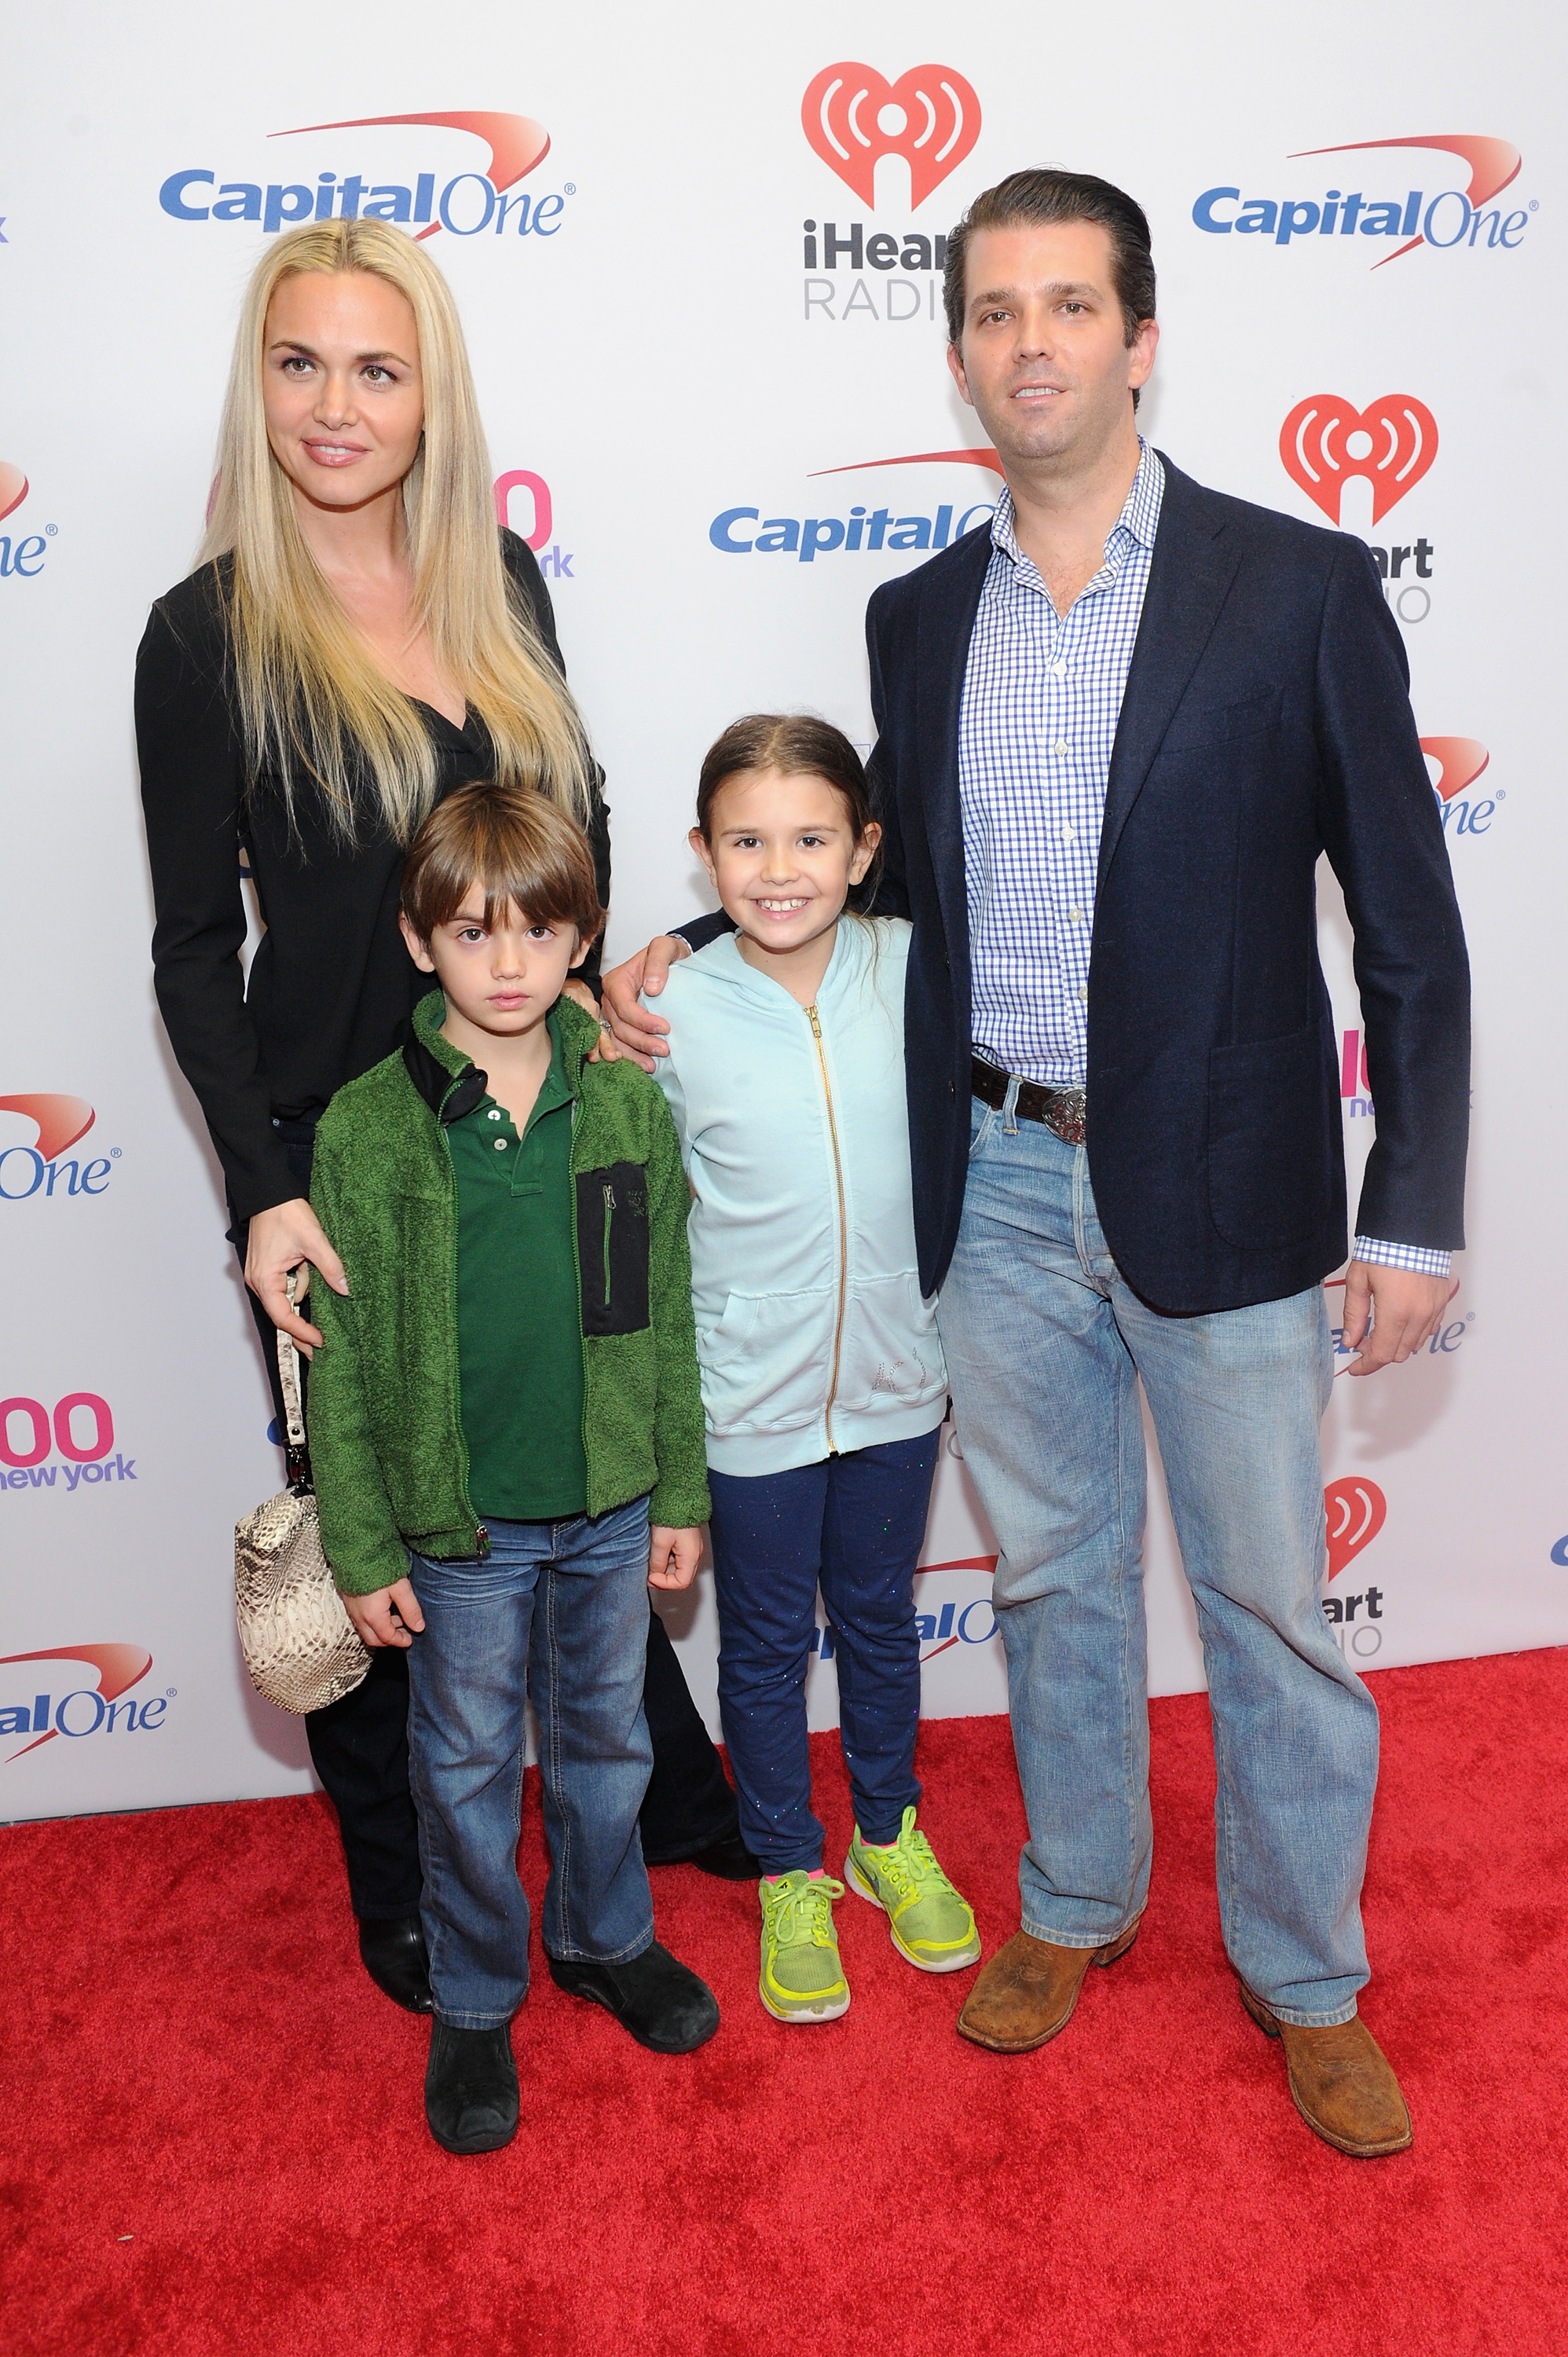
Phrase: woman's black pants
{"type": "Point", "coordinates": [360, 1746]}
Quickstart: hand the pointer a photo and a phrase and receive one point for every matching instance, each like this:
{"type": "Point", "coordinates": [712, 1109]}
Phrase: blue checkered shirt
{"type": "Point", "coordinates": [1042, 697]}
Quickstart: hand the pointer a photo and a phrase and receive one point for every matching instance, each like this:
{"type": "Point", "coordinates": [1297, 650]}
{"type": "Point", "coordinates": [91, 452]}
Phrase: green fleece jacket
{"type": "Point", "coordinates": [385, 1421]}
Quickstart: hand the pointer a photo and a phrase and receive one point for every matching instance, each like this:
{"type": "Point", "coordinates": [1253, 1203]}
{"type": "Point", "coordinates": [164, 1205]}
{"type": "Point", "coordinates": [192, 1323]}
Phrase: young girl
{"type": "Point", "coordinates": [823, 1386]}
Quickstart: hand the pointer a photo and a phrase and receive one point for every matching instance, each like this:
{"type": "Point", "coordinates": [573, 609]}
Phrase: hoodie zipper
{"type": "Point", "coordinates": [843, 1227]}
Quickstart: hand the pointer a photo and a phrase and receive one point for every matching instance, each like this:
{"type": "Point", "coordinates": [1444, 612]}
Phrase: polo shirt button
{"type": "Point", "coordinates": [494, 1114]}
{"type": "Point", "coordinates": [500, 1146]}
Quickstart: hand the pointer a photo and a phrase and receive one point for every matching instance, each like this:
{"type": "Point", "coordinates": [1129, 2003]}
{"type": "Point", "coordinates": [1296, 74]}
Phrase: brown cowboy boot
{"type": "Point", "coordinates": [1026, 1993]}
{"type": "Point", "coordinates": [1342, 2083]}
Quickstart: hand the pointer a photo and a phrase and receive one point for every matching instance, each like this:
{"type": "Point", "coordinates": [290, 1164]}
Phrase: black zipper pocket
{"type": "Point", "coordinates": [613, 1248]}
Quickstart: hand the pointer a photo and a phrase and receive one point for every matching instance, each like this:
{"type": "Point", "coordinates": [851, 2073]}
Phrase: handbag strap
{"type": "Point", "coordinates": [296, 1455]}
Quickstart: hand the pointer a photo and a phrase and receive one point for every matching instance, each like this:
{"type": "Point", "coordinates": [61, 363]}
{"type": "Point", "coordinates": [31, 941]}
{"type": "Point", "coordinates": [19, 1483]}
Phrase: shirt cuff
{"type": "Point", "coordinates": [1418, 1258]}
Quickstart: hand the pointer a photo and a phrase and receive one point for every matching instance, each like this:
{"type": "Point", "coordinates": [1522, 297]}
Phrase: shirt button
{"type": "Point", "coordinates": [1057, 670]}
{"type": "Point", "coordinates": [494, 1114]}
{"type": "Point", "coordinates": [1059, 747]}
{"type": "Point", "coordinates": [1083, 991]}
{"type": "Point", "coordinates": [500, 1146]}
{"type": "Point", "coordinates": [1075, 916]}
{"type": "Point", "coordinates": [1070, 831]}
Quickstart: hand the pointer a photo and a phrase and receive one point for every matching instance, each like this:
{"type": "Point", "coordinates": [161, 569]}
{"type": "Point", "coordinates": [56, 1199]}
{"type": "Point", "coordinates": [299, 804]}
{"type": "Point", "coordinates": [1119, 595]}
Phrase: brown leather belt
{"type": "Point", "coordinates": [1061, 1110]}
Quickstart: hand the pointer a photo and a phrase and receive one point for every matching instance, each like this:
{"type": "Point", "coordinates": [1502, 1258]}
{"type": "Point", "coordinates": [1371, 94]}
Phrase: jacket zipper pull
{"type": "Point", "coordinates": [609, 1210]}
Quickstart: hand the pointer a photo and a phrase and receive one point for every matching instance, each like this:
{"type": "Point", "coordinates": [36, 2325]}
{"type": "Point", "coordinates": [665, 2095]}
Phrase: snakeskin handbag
{"type": "Point", "coordinates": [301, 1649]}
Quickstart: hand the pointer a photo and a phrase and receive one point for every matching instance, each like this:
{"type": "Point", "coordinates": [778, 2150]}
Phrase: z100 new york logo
{"type": "Point", "coordinates": [467, 203]}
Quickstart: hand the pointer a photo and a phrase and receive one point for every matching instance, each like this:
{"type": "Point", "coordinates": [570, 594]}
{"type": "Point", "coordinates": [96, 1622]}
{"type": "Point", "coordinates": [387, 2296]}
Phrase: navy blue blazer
{"type": "Point", "coordinates": [1266, 720]}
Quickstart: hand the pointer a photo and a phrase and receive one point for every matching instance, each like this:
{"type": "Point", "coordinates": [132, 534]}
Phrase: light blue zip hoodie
{"type": "Point", "coordinates": [812, 1334]}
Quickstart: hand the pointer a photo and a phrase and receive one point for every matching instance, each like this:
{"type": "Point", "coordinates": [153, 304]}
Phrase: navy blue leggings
{"type": "Point", "coordinates": [853, 1526]}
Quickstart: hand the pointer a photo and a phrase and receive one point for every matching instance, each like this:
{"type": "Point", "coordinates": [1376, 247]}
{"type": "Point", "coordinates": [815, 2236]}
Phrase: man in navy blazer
{"type": "Point", "coordinates": [1115, 735]}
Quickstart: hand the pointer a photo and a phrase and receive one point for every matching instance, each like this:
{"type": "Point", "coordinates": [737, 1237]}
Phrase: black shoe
{"type": "Point", "coordinates": [470, 2088]}
{"type": "Point", "coordinates": [663, 2005]}
{"type": "Point", "coordinates": [730, 1859]}
{"type": "Point", "coordinates": [394, 1955]}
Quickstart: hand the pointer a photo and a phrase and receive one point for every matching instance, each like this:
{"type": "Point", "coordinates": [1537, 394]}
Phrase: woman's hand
{"type": "Point", "coordinates": [389, 1617]}
{"type": "Point", "coordinates": [641, 1034]}
{"type": "Point", "coordinates": [289, 1236]}
{"type": "Point", "coordinates": [673, 1556]}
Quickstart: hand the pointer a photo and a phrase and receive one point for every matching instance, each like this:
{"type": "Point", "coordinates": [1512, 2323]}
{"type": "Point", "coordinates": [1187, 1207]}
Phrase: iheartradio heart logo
{"type": "Point", "coordinates": [1357, 1510]}
{"type": "Point", "coordinates": [1460, 761]}
{"type": "Point", "coordinates": [61, 1120]}
{"type": "Point", "coordinates": [852, 115]}
{"type": "Point", "coordinates": [13, 488]}
{"type": "Point", "coordinates": [1325, 441]}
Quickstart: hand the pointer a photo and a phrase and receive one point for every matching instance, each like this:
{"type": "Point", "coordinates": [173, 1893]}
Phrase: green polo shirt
{"type": "Point", "coordinates": [520, 1335]}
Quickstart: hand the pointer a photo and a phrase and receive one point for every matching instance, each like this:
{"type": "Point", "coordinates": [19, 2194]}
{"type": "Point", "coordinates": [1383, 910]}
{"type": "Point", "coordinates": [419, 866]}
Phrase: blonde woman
{"type": "Point", "coordinates": [356, 641]}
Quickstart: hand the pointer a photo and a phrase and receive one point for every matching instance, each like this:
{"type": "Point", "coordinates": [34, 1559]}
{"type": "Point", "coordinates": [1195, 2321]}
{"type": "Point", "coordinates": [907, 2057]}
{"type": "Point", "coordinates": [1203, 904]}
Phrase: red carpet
{"type": "Point", "coordinates": [214, 2139]}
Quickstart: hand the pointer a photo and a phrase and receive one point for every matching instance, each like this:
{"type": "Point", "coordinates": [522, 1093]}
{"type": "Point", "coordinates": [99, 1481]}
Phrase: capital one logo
{"type": "Point", "coordinates": [1453, 217]}
{"type": "Point", "coordinates": [869, 529]}
{"type": "Point", "coordinates": [470, 201]}
{"type": "Point", "coordinates": [20, 553]}
{"type": "Point", "coordinates": [854, 116]}
{"type": "Point", "coordinates": [1326, 441]}
{"type": "Point", "coordinates": [35, 1169]}
{"type": "Point", "coordinates": [88, 1710]}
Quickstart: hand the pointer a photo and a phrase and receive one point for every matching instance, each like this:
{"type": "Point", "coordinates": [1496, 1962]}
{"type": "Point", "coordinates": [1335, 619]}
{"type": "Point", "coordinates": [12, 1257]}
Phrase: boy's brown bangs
{"type": "Point", "coordinates": [524, 851]}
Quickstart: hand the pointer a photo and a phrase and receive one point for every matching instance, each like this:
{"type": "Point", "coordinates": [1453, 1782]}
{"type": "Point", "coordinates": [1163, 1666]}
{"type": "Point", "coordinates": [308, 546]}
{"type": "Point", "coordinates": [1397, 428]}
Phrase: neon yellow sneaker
{"type": "Point", "coordinates": [932, 1926]}
{"type": "Point", "coordinates": [802, 1979]}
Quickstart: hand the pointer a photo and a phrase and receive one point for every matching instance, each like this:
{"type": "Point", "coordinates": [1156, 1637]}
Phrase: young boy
{"type": "Point", "coordinates": [506, 1429]}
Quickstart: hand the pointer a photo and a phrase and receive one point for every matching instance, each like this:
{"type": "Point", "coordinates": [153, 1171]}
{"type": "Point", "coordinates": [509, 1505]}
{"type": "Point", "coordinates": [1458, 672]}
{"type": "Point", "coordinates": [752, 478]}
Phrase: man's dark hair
{"type": "Point", "coordinates": [1046, 195]}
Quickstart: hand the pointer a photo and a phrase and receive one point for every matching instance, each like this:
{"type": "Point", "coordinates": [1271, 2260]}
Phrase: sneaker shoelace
{"type": "Point", "coordinates": [806, 1913]}
{"type": "Point", "coordinates": [910, 1866]}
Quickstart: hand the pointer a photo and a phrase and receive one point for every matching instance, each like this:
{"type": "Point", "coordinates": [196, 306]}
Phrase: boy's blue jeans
{"type": "Point", "coordinates": [557, 1612]}
{"type": "Point", "coordinates": [853, 1523]}
{"type": "Point", "coordinates": [1045, 1344]}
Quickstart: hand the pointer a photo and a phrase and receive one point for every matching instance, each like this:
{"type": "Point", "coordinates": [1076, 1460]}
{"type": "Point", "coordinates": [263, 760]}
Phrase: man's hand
{"type": "Point", "coordinates": [1390, 1312]}
{"type": "Point", "coordinates": [391, 1617]}
{"type": "Point", "coordinates": [290, 1236]}
{"type": "Point", "coordinates": [674, 1556]}
{"type": "Point", "coordinates": [641, 1034]}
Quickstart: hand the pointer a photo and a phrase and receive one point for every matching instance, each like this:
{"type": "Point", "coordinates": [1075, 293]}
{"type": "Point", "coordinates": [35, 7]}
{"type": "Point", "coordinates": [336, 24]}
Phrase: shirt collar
{"type": "Point", "coordinates": [1139, 518]}
{"type": "Point", "coordinates": [553, 1090]}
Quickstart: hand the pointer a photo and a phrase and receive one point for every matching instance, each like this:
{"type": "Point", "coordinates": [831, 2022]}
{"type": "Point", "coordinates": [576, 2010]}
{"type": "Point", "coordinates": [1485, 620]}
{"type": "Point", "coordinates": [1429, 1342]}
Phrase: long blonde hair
{"type": "Point", "coordinates": [310, 694]}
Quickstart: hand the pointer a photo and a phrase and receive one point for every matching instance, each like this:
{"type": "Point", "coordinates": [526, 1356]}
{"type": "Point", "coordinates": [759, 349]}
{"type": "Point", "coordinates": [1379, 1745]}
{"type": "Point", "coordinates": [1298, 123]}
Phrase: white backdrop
{"type": "Point", "coordinates": [664, 338]}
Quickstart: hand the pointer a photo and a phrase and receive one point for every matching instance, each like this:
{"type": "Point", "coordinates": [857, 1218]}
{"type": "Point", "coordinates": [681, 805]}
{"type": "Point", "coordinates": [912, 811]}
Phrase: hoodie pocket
{"type": "Point", "coordinates": [766, 1364]}
{"type": "Point", "coordinates": [612, 1248]}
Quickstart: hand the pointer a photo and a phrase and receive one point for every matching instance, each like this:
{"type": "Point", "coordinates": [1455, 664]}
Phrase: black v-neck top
{"type": "Point", "coordinates": [331, 984]}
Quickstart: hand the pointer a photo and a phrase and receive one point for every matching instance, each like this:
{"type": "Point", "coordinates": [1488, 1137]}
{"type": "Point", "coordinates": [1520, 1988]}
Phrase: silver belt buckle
{"type": "Point", "coordinates": [1068, 1114]}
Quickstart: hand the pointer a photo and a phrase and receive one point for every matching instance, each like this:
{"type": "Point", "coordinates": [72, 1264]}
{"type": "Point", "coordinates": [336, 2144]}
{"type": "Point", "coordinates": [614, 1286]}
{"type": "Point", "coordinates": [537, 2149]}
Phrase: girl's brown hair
{"type": "Point", "coordinates": [799, 745]}
{"type": "Point", "coordinates": [525, 851]}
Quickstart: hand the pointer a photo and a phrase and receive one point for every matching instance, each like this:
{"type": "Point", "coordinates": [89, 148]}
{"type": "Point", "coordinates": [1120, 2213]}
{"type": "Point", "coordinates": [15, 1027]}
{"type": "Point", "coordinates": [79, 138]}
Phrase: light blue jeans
{"type": "Point", "coordinates": [1045, 1345]}
{"type": "Point", "coordinates": [557, 1612]}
